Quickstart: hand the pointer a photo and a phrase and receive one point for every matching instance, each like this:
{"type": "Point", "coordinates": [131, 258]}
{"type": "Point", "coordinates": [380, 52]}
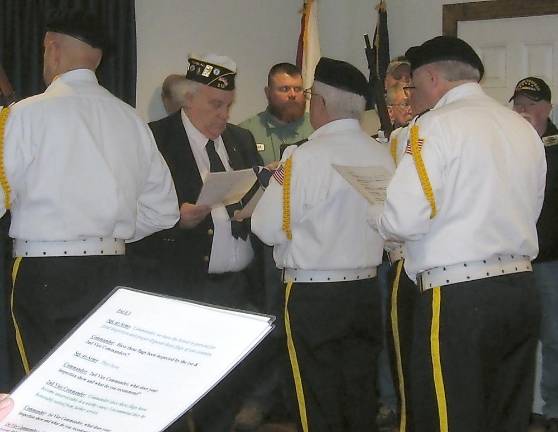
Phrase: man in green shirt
{"type": "Point", "coordinates": [284, 121]}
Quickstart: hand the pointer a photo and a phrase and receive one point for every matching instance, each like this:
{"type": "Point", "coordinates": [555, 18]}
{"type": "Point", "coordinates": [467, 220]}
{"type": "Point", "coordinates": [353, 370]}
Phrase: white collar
{"type": "Point", "coordinates": [336, 126]}
{"type": "Point", "coordinates": [460, 92]}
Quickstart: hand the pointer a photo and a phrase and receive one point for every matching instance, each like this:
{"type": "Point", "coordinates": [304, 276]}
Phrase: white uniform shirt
{"type": "Point", "coordinates": [487, 169]}
{"type": "Point", "coordinates": [228, 254]}
{"type": "Point", "coordinates": [328, 216]}
{"type": "Point", "coordinates": [81, 163]}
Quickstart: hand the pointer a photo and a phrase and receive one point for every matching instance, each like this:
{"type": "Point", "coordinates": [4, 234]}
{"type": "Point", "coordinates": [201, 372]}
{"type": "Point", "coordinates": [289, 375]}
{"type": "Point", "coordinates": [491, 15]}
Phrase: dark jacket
{"type": "Point", "coordinates": [547, 225]}
{"type": "Point", "coordinates": [185, 252]}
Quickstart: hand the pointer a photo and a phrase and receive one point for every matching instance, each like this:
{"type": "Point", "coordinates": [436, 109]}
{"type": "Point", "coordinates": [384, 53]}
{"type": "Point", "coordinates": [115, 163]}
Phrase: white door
{"type": "Point", "coordinates": [514, 48]}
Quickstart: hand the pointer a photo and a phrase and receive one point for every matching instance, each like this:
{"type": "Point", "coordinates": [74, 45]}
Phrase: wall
{"type": "Point", "coordinates": [255, 33]}
{"type": "Point", "coordinates": [342, 24]}
{"type": "Point", "coordinates": [259, 33]}
{"type": "Point", "coordinates": [411, 22]}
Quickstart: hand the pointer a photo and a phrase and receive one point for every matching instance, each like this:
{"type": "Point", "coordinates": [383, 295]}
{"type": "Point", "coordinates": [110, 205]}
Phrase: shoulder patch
{"type": "Point", "coordinates": [408, 147]}
{"type": "Point", "coordinates": [279, 175]}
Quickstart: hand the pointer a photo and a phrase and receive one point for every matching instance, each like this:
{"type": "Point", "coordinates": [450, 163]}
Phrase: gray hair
{"type": "Point", "coordinates": [175, 89]}
{"type": "Point", "coordinates": [454, 70]}
{"type": "Point", "coordinates": [393, 92]}
{"type": "Point", "coordinates": [191, 87]}
{"type": "Point", "coordinates": [340, 103]}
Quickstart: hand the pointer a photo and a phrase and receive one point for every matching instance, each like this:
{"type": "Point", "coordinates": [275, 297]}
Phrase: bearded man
{"type": "Point", "coordinates": [284, 121]}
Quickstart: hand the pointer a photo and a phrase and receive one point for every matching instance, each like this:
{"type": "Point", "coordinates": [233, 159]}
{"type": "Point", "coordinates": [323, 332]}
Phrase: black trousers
{"type": "Point", "coordinates": [336, 334]}
{"type": "Point", "coordinates": [402, 297]}
{"type": "Point", "coordinates": [50, 296]}
{"type": "Point", "coordinates": [473, 355]}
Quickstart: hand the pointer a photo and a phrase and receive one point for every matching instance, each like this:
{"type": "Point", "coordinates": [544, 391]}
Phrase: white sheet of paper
{"type": "Point", "coordinates": [248, 209]}
{"type": "Point", "coordinates": [370, 181]}
{"type": "Point", "coordinates": [135, 364]}
{"type": "Point", "coordinates": [224, 188]}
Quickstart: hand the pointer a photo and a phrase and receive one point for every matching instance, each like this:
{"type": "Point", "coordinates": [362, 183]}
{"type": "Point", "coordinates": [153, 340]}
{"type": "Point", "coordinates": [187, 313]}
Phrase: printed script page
{"type": "Point", "coordinates": [224, 188]}
{"type": "Point", "coordinates": [371, 181]}
{"type": "Point", "coordinates": [135, 364]}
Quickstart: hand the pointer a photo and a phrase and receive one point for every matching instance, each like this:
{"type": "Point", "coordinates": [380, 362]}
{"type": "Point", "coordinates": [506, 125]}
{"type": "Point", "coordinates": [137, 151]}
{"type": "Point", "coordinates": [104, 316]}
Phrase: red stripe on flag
{"type": "Point", "coordinates": [279, 175]}
{"type": "Point", "coordinates": [408, 148]}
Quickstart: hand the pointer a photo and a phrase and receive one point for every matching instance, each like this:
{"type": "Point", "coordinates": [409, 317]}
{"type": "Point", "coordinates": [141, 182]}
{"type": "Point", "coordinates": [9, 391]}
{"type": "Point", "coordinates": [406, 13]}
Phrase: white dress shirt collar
{"type": "Point", "coordinates": [73, 76]}
{"type": "Point", "coordinates": [335, 126]}
{"type": "Point", "coordinates": [459, 92]}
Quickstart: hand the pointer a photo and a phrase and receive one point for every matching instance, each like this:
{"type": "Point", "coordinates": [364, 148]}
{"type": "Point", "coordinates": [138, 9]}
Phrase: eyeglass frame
{"type": "Point", "coordinates": [407, 90]}
{"type": "Point", "coordinates": [308, 93]}
{"type": "Point", "coordinates": [402, 105]}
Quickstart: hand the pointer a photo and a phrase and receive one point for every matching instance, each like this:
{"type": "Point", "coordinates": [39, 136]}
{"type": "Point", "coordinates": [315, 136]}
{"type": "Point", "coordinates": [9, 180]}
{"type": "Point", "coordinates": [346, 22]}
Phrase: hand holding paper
{"type": "Point", "coordinates": [227, 187]}
{"type": "Point", "coordinates": [191, 215]}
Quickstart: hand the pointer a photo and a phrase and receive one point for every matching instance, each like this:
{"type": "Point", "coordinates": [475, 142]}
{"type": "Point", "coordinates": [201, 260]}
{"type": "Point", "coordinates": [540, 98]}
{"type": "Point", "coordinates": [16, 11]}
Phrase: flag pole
{"type": "Point", "coordinates": [376, 77]}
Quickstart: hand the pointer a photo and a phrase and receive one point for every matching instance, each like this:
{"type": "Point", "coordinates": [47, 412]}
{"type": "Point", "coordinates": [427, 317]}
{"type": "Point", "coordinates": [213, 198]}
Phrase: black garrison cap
{"type": "Point", "coordinates": [211, 74]}
{"type": "Point", "coordinates": [444, 48]}
{"type": "Point", "coordinates": [80, 24]}
{"type": "Point", "coordinates": [341, 75]}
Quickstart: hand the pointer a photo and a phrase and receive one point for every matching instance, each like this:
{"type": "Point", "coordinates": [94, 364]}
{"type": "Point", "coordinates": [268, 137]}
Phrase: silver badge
{"type": "Point", "coordinates": [207, 71]}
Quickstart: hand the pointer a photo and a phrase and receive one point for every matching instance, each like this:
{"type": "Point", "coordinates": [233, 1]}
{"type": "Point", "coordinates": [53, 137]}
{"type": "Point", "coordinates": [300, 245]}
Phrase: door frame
{"type": "Point", "coordinates": [493, 9]}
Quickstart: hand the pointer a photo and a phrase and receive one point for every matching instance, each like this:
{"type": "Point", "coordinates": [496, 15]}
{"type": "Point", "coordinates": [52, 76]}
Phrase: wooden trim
{"type": "Point", "coordinates": [493, 9]}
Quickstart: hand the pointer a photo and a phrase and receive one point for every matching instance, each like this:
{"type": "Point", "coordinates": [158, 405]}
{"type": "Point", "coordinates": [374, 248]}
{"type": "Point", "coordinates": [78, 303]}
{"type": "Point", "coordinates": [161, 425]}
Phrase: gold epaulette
{"type": "Point", "coordinates": [4, 113]}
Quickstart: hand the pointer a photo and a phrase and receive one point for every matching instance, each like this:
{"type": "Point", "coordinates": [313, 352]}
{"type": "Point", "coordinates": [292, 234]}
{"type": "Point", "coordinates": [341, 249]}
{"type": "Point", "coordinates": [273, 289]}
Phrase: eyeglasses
{"type": "Point", "coordinates": [402, 105]}
{"type": "Point", "coordinates": [408, 90]}
{"type": "Point", "coordinates": [308, 93]}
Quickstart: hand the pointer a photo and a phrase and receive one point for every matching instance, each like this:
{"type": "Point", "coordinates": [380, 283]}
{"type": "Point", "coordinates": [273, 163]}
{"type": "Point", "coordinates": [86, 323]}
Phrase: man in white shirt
{"type": "Point", "coordinates": [465, 199]}
{"type": "Point", "coordinates": [316, 223]}
{"type": "Point", "coordinates": [82, 177]}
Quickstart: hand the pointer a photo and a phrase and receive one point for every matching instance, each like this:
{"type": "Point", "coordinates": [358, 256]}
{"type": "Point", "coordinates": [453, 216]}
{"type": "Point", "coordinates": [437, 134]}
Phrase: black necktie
{"type": "Point", "coordinates": [238, 229]}
{"type": "Point", "coordinates": [215, 162]}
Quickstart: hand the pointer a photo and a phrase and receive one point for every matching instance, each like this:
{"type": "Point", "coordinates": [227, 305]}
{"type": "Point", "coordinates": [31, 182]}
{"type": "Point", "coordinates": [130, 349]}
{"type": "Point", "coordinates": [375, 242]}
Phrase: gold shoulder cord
{"type": "Point", "coordinates": [421, 169]}
{"type": "Point", "coordinates": [393, 149]}
{"type": "Point", "coordinates": [3, 178]}
{"type": "Point", "coordinates": [287, 198]}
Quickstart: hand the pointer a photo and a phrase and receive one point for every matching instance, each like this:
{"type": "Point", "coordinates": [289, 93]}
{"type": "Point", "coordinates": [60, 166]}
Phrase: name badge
{"type": "Point", "coordinates": [260, 147]}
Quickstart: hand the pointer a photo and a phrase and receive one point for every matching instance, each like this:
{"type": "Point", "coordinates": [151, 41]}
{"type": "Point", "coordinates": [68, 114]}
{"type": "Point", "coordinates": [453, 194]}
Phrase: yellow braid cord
{"type": "Point", "coordinates": [19, 339]}
{"type": "Point", "coordinates": [421, 169]}
{"type": "Point", "coordinates": [287, 198]}
{"type": "Point", "coordinates": [397, 346]}
{"type": "Point", "coordinates": [437, 361]}
{"type": "Point", "coordinates": [393, 149]}
{"type": "Point", "coordinates": [3, 178]}
{"type": "Point", "coordinates": [294, 362]}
